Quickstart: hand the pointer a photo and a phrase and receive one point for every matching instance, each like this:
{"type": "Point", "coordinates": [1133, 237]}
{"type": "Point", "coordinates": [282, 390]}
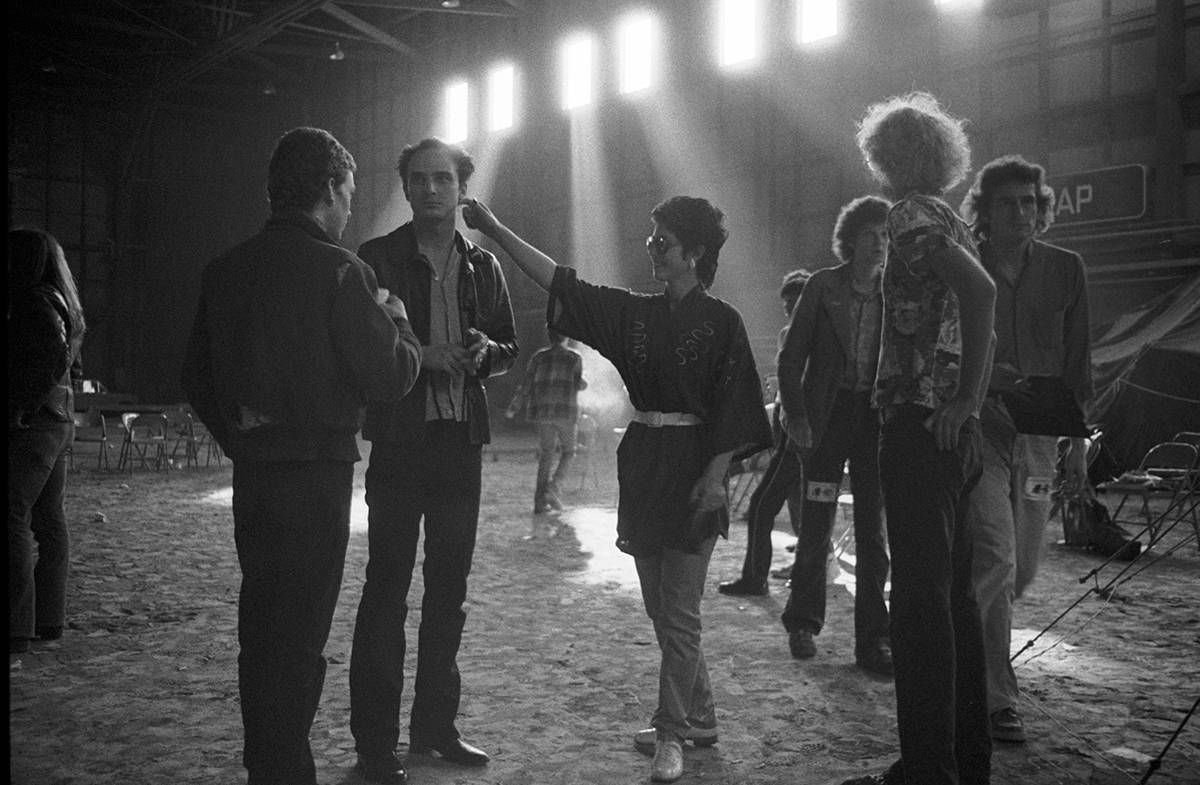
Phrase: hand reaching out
{"type": "Point", "coordinates": [478, 216]}
{"type": "Point", "coordinates": [707, 494]}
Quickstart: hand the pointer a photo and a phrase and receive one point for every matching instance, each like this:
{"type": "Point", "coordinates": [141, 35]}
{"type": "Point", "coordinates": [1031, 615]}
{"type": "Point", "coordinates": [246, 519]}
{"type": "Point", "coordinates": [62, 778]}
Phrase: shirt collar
{"type": "Point", "coordinates": [461, 244]}
{"type": "Point", "coordinates": [290, 216]}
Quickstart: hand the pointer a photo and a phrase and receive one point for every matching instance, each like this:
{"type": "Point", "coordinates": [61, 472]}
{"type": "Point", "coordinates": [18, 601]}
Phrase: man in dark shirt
{"type": "Point", "coordinates": [1041, 330]}
{"type": "Point", "coordinates": [426, 463]}
{"type": "Point", "coordinates": [292, 336]}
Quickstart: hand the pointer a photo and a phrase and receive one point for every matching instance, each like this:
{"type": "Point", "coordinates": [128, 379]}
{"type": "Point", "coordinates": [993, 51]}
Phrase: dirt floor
{"type": "Point", "coordinates": [558, 660]}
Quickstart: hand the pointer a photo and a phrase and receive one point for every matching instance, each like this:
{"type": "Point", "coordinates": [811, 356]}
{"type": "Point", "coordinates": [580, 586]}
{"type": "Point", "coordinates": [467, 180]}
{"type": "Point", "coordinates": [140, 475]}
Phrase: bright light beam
{"type": "Point", "coordinates": [816, 20]}
{"type": "Point", "coordinates": [738, 24]}
{"type": "Point", "coordinates": [501, 97]}
{"type": "Point", "coordinates": [576, 61]}
{"type": "Point", "coordinates": [456, 112]}
{"type": "Point", "coordinates": [637, 43]}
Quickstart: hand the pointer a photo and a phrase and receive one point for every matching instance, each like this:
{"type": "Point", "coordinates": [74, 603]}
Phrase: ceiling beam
{"type": "Point", "coordinates": [242, 38]}
{"type": "Point", "coordinates": [362, 26]}
{"type": "Point", "coordinates": [476, 8]}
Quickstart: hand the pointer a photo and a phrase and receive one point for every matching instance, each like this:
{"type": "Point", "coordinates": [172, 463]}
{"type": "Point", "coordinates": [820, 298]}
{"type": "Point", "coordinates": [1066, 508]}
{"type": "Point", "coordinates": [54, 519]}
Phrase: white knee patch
{"type": "Point", "coordinates": [1039, 488]}
{"type": "Point", "coordinates": [821, 492]}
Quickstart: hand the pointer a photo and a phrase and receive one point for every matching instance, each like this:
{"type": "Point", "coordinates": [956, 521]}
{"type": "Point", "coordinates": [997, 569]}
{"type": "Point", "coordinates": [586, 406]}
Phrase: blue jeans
{"type": "Point", "coordinates": [852, 433]}
{"type": "Point", "coordinates": [435, 475]}
{"type": "Point", "coordinates": [672, 584]}
{"type": "Point", "coordinates": [937, 643]}
{"type": "Point", "coordinates": [37, 481]}
{"type": "Point", "coordinates": [291, 524]}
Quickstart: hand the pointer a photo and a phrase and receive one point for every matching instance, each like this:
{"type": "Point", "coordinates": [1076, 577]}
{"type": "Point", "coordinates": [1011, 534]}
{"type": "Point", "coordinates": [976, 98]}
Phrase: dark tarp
{"type": "Point", "coordinates": [1147, 374]}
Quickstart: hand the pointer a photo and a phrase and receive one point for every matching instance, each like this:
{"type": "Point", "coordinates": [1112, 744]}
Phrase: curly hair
{"type": "Point", "coordinates": [976, 206]}
{"type": "Point", "coordinates": [793, 283]}
{"type": "Point", "coordinates": [464, 165]}
{"type": "Point", "coordinates": [793, 286]}
{"type": "Point", "coordinates": [863, 211]}
{"type": "Point", "coordinates": [305, 159]}
{"type": "Point", "coordinates": [911, 144]}
{"type": "Point", "coordinates": [696, 222]}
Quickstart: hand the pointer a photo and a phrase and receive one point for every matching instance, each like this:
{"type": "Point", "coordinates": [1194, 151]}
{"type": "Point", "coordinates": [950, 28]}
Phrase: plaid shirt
{"type": "Point", "coordinates": [552, 384]}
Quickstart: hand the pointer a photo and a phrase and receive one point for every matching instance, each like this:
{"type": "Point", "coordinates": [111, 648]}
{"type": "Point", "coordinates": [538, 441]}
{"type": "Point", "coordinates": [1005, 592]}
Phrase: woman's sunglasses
{"type": "Point", "coordinates": [659, 245]}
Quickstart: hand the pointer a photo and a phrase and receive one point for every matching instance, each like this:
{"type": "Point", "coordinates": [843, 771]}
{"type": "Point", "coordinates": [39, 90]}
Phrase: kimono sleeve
{"type": "Point", "coordinates": [739, 420]}
{"type": "Point", "coordinates": [586, 312]}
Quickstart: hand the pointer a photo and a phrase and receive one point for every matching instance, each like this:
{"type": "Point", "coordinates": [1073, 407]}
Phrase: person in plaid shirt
{"type": "Point", "coordinates": [550, 397]}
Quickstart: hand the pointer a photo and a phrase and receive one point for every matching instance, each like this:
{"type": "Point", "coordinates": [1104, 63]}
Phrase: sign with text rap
{"type": "Point", "coordinates": [1116, 193]}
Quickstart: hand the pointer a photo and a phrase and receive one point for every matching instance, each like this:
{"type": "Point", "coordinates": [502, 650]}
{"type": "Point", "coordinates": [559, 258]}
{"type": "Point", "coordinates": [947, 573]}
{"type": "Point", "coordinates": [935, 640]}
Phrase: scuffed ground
{"type": "Point", "coordinates": [559, 662]}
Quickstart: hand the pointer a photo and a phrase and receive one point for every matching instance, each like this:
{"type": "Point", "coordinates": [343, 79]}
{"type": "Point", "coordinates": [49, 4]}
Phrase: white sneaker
{"type": "Point", "coordinates": [701, 737]}
{"type": "Point", "coordinates": [668, 761]}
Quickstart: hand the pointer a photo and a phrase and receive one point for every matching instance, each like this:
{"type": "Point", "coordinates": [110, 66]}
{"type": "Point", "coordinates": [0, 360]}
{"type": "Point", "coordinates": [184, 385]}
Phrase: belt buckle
{"type": "Point", "coordinates": [655, 419]}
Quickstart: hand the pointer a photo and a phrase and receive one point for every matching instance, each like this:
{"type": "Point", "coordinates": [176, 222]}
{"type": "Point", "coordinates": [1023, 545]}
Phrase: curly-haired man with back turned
{"type": "Point", "coordinates": [934, 356]}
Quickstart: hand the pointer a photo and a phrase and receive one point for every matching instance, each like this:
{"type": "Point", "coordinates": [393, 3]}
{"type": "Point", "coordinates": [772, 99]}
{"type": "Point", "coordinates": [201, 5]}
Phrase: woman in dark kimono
{"type": "Point", "coordinates": [686, 362]}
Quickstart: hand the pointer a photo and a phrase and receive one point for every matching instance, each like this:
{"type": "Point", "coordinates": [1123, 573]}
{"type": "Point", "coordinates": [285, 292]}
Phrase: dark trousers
{"type": "Point", "coordinates": [291, 525]}
{"type": "Point", "coordinates": [852, 434]}
{"type": "Point", "coordinates": [937, 642]}
{"type": "Point", "coordinates": [435, 475]}
{"type": "Point", "coordinates": [778, 483]}
{"type": "Point", "coordinates": [37, 481]}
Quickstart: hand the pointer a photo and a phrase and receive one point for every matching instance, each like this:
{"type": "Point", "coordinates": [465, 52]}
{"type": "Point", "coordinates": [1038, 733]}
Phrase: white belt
{"type": "Point", "coordinates": [659, 419]}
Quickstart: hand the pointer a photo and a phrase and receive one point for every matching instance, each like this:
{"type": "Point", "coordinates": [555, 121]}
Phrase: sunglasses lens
{"type": "Point", "coordinates": [657, 245]}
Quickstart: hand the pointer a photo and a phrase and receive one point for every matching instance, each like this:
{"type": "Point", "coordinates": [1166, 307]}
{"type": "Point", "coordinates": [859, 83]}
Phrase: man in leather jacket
{"type": "Point", "coordinates": [426, 464]}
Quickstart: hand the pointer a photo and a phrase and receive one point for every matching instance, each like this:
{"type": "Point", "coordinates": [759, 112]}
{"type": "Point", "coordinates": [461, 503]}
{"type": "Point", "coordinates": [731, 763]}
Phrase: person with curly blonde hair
{"type": "Point", "coordinates": [934, 356]}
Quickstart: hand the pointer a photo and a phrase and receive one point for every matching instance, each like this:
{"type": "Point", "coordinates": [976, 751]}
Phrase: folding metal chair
{"type": "Point", "coordinates": [1168, 470]}
{"type": "Point", "coordinates": [145, 441]}
{"type": "Point", "coordinates": [90, 428]}
{"type": "Point", "coordinates": [745, 477]}
{"type": "Point", "coordinates": [205, 441]}
{"type": "Point", "coordinates": [181, 433]}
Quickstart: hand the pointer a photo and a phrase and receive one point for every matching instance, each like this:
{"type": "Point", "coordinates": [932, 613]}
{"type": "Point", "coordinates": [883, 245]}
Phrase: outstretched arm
{"type": "Point", "coordinates": [532, 262]}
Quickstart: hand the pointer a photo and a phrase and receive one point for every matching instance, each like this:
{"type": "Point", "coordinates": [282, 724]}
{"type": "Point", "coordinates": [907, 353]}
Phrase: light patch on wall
{"type": "Point", "coordinates": [456, 112]}
{"type": "Point", "coordinates": [738, 32]}
{"type": "Point", "coordinates": [816, 20]}
{"type": "Point", "coordinates": [577, 63]}
{"type": "Point", "coordinates": [637, 49]}
{"type": "Point", "coordinates": [501, 98]}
